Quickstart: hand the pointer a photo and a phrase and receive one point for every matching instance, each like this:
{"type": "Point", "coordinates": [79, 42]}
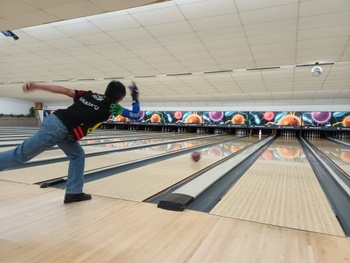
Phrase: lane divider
{"type": "Point", "coordinates": [183, 196]}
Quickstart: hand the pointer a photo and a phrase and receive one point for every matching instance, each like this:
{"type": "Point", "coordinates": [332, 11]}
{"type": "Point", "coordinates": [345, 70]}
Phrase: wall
{"type": "Point", "coordinates": [15, 106]}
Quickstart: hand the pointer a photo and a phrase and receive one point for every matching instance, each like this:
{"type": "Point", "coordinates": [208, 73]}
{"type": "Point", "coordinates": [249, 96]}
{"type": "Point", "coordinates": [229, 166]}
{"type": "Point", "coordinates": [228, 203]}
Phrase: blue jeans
{"type": "Point", "coordinates": [52, 132]}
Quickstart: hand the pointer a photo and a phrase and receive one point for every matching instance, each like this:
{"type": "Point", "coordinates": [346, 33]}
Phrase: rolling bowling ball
{"type": "Point", "coordinates": [196, 156]}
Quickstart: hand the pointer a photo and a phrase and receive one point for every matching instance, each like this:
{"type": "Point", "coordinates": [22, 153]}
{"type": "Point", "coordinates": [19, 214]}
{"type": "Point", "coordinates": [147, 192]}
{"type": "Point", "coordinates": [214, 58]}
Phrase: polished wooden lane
{"type": "Point", "coordinates": [281, 192]}
{"type": "Point", "coordinates": [141, 183]}
{"type": "Point", "coordinates": [338, 153]}
{"type": "Point", "coordinates": [35, 226]}
{"type": "Point", "coordinates": [51, 171]}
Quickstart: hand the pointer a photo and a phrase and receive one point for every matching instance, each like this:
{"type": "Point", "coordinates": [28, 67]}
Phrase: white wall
{"type": "Point", "coordinates": [15, 106]}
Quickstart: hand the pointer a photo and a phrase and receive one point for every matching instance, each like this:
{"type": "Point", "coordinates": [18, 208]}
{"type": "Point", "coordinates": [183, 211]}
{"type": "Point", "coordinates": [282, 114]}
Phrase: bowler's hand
{"type": "Point", "coordinates": [134, 92]}
{"type": "Point", "coordinates": [29, 86]}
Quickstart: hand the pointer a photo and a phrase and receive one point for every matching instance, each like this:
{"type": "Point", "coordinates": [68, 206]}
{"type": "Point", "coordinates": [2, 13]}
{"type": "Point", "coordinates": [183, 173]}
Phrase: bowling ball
{"type": "Point", "coordinates": [321, 117]}
{"type": "Point", "coordinates": [238, 119]}
{"type": "Point", "coordinates": [290, 120]}
{"type": "Point", "coordinates": [120, 118]}
{"type": "Point", "coordinates": [155, 118]}
{"type": "Point", "coordinates": [269, 115]}
{"type": "Point", "coordinates": [196, 156]}
{"type": "Point", "coordinates": [193, 118]}
{"type": "Point", "coordinates": [178, 115]}
{"type": "Point", "coordinates": [216, 115]}
{"type": "Point", "coordinates": [346, 122]}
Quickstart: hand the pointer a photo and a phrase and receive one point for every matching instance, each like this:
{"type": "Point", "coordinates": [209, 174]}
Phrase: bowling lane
{"type": "Point", "coordinates": [109, 144]}
{"type": "Point", "coordinates": [338, 153]}
{"type": "Point", "coordinates": [99, 137]}
{"type": "Point", "coordinates": [281, 189]}
{"type": "Point", "coordinates": [51, 171]}
{"type": "Point", "coordinates": [112, 144]}
{"type": "Point", "coordinates": [142, 183]}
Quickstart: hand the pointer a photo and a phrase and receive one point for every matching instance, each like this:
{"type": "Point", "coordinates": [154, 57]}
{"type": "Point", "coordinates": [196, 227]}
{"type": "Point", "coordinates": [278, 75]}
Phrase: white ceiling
{"type": "Point", "coordinates": [170, 48]}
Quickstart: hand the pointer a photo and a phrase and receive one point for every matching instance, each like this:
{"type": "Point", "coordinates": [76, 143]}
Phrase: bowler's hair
{"type": "Point", "coordinates": [115, 90]}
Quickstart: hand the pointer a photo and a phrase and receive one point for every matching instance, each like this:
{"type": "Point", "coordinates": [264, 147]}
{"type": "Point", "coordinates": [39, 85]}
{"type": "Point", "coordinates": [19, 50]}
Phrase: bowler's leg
{"type": "Point", "coordinates": [75, 182]}
{"type": "Point", "coordinates": [51, 132]}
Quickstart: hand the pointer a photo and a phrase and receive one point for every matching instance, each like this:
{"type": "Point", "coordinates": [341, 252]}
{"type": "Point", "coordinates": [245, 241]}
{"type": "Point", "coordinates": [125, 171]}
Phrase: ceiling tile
{"type": "Point", "coordinates": [277, 13]}
{"type": "Point", "coordinates": [215, 22]}
{"type": "Point", "coordinates": [84, 27]}
{"type": "Point", "coordinates": [327, 20]}
{"type": "Point", "coordinates": [315, 7]}
{"type": "Point", "coordinates": [169, 29]}
{"type": "Point", "coordinates": [207, 8]}
{"type": "Point", "coordinates": [244, 5]}
{"type": "Point", "coordinates": [320, 33]}
{"type": "Point", "coordinates": [115, 22]}
{"type": "Point", "coordinates": [159, 16]}
{"type": "Point", "coordinates": [130, 34]}
{"type": "Point", "coordinates": [271, 27]}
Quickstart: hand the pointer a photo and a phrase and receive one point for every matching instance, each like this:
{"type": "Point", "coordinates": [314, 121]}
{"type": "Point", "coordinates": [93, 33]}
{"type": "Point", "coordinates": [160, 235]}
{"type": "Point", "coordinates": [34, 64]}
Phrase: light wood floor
{"type": "Point", "coordinates": [35, 226]}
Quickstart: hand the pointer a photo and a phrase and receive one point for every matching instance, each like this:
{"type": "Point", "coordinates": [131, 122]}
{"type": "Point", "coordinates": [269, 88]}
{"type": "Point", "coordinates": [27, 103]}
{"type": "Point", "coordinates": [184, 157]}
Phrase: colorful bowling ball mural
{"type": "Point", "coordinates": [341, 119]}
{"type": "Point", "coordinates": [238, 119]}
{"type": "Point", "coordinates": [317, 118]}
{"type": "Point", "coordinates": [290, 120]}
{"type": "Point", "coordinates": [327, 120]}
{"type": "Point", "coordinates": [321, 117]}
{"type": "Point", "coordinates": [269, 115]}
{"type": "Point", "coordinates": [153, 116]}
{"type": "Point", "coordinates": [121, 118]}
{"type": "Point", "coordinates": [178, 117]}
{"type": "Point", "coordinates": [193, 118]}
{"type": "Point", "coordinates": [142, 115]}
{"type": "Point", "coordinates": [226, 118]}
{"type": "Point", "coordinates": [213, 117]}
{"type": "Point", "coordinates": [216, 116]}
{"type": "Point", "coordinates": [287, 119]}
{"type": "Point", "coordinates": [270, 118]}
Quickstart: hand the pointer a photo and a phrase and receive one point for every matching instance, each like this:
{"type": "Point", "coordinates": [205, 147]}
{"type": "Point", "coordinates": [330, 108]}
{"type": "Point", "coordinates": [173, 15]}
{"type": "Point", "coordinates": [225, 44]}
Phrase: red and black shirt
{"type": "Point", "coordinates": [87, 113]}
